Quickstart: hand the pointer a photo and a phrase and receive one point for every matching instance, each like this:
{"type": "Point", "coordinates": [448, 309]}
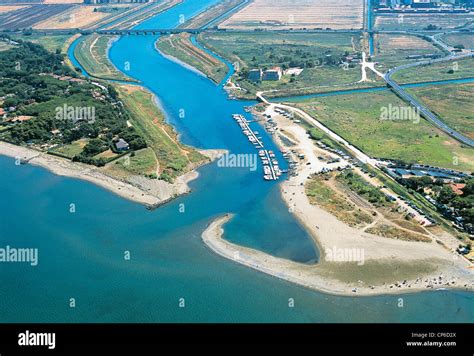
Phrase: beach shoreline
{"type": "Point", "coordinates": [160, 192]}
{"type": "Point", "coordinates": [389, 266]}
{"type": "Point", "coordinates": [314, 277]}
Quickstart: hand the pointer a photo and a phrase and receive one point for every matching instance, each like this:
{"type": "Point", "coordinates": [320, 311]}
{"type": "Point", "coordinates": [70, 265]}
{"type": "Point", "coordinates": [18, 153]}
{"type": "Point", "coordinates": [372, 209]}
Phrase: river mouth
{"type": "Point", "coordinates": [169, 260]}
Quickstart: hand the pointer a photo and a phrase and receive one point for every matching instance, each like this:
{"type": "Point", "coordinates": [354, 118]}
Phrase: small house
{"type": "Point", "coordinates": [122, 145]}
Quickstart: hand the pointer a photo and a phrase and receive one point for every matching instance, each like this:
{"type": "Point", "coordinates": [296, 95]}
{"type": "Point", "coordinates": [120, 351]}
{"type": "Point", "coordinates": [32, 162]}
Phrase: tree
{"type": "Point", "coordinates": [446, 195]}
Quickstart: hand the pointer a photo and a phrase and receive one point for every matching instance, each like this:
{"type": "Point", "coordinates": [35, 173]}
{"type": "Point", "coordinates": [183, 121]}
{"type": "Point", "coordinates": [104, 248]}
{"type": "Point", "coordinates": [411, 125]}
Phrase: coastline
{"type": "Point", "coordinates": [156, 193]}
{"type": "Point", "coordinates": [389, 266]}
{"type": "Point", "coordinates": [315, 277]}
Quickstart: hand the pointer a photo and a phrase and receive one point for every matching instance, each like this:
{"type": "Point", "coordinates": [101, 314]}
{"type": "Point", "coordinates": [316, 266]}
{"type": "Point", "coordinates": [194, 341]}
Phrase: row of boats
{"type": "Point", "coordinates": [271, 169]}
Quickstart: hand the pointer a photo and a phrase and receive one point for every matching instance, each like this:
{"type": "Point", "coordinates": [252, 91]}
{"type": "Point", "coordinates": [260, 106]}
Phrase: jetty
{"type": "Point", "coordinates": [271, 169]}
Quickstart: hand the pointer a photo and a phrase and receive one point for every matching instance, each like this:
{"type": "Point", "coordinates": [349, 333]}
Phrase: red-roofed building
{"type": "Point", "coordinates": [457, 188]}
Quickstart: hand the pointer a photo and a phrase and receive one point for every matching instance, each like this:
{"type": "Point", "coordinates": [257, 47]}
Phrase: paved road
{"type": "Point", "coordinates": [427, 113]}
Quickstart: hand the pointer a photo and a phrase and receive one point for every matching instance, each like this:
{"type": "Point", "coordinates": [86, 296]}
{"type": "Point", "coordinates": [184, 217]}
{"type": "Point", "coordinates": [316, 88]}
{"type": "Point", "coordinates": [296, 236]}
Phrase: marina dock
{"type": "Point", "coordinates": [271, 169]}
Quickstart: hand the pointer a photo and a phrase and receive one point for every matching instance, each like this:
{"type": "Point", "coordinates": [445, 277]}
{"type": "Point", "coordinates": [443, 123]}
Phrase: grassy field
{"type": "Point", "coordinates": [463, 39]}
{"type": "Point", "coordinates": [181, 47]}
{"type": "Point", "coordinates": [51, 43]}
{"type": "Point", "coordinates": [319, 55]}
{"type": "Point", "coordinates": [392, 50]}
{"type": "Point", "coordinates": [72, 149]}
{"type": "Point", "coordinates": [356, 117]}
{"type": "Point", "coordinates": [439, 71]}
{"type": "Point", "coordinates": [142, 162]}
{"type": "Point", "coordinates": [91, 52]}
{"type": "Point", "coordinates": [319, 193]}
{"type": "Point", "coordinates": [5, 46]}
{"type": "Point", "coordinates": [282, 14]}
{"type": "Point", "coordinates": [420, 21]}
{"type": "Point", "coordinates": [173, 157]}
{"type": "Point", "coordinates": [454, 104]}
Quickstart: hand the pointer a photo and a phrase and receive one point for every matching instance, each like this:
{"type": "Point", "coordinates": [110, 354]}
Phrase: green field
{"type": "Point", "coordinates": [320, 56]}
{"type": "Point", "coordinates": [4, 46]}
{"type": "Point", "coordinates": [173, 157]}
{"type": "Point", "coordinates": [181, 47]}
{"type": "Point", "coordinates": [51, 43]}
{"type": "Point", "coordinates": [91, 53]}
{"type": "Point", "coordinates": [393, 50]}
{"type": "Point", "coordinates": [72, 149]}
{"type": "Point", "coordinates": [454, 104]}
{"type": "Point", "coordinates": [356, 117]}
{"type": "Point", "coordinates": [455, 39]}
{"type": "Point", "coordinates": [142, 162]}
{"type": "Point", "coordinates": [439, 71]}
{"type": "Point", "coordinates": [421, 21]}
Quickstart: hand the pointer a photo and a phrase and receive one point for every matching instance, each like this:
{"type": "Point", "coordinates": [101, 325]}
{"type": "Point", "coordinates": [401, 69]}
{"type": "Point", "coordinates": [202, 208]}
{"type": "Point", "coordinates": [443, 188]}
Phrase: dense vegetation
{"type": "Point", "coordinates": [448, 201]}
{"type": "Point", "coordinates": [37, 85]}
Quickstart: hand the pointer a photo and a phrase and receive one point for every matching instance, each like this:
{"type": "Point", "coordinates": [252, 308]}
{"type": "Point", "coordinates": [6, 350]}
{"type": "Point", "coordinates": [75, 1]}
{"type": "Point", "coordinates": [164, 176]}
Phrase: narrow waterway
{"type": "Point", "coordinates": [81, 253]}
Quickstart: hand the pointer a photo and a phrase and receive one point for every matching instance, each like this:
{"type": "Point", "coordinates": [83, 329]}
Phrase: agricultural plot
{"type": "Point", "coordinates": [454, 104]}
{"type": "Point", "coordinates": [421, 21]}
{"type": "Point", "coordinates": [439, 71]}
{"type": "Point", "coordinates": [181, 47]}
{"type": "Point", "coordinates": [76, 17]}
{"type": "Point", "coordinates": [393, 50]}
{"type": "Point", "coordinates": [465, 40]}
{"type": "Point", "coordinates": [29, 16]}
{"type": "Point", "coordinates": [283, 14]}
{"type": "Point", "coordinates": [91, 52]}
{"type": "Point", "coordinates": [358, 118]}
{"type": "Point", "coordinates": [8, 8]}
{"type": "Point", "coordinates": [320, 56]}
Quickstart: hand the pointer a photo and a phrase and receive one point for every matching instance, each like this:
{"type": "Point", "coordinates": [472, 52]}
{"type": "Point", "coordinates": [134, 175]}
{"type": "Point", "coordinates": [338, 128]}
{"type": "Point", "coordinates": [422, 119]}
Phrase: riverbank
{"type": "Point", "coordinates": [330, 277]}
{"type": "Point", "coordinates": [149, 192]}
{"type": "Point", "coordinates": [352, 262]}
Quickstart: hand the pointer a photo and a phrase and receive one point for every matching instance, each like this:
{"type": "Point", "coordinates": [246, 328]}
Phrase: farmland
{"type": "Point", "coordinates": [29, 16]}
{"type": "Point", "coordinates": [181, 47]}
{"type": "Point", "coordinates": [452, 103]}
{"type": "Point", "coordinates": [8, 8]}
{"type": "Point", "coordinates": [211, 13]}
{"type": "Point", "coordinates": [357, 118]}
{"type": "Point", "coordinates": [392, 50]}
{"type": "Point", "coordinates": [76, 17]}
{"type": "Point", "coordinates": [439, 71]}
{"type": "Point", "coordinates": [421, 21]}
{"type": "Point", "coordinates": [460, 39]}
{"type": "Point", "coordinates": [281, 14]}
{"type": "Point", "coordinates": [91, 52]}
{"type": "Point", "coordinates": [319, 55]}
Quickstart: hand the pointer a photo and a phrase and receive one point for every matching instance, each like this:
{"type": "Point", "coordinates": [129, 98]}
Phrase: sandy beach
{"type": "Point", "coordinates": [387, 266]}
{"type": "Point", "coordinates": [321, 276]}
{"type": "Point", "coordinates": [150, 192]}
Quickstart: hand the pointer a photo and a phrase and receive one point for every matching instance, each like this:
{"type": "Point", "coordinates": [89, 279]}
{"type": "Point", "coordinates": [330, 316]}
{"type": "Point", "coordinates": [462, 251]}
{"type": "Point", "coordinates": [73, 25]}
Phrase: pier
{"type": "Point", "coordinates": [271, 167]}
